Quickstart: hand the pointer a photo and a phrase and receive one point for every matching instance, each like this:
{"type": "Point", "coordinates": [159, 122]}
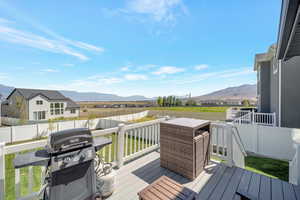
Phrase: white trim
{"type": "Point", "coordinates": [279, 93]}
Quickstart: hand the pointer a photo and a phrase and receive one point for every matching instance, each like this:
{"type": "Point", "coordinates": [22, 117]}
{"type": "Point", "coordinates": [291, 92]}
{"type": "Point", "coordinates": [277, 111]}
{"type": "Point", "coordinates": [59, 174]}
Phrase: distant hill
{"type": "Point", "coordinates": [84, 96]}
{"type": "Point", "coordinates": [246, 91]}
{"type": "Point", "coordinates": [239, 92]}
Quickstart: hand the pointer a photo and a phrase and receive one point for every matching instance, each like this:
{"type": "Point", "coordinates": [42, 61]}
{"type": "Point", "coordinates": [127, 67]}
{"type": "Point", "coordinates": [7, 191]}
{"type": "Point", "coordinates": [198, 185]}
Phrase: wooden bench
{"type": "Point", "coordinates": [165, 188]}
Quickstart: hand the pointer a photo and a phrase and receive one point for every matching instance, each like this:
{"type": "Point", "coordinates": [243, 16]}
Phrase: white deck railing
{"type": "Point", "coordinates": [248, 117]}
{"type": "Point", "coordinates": [227, 145]}
{"type": "Point", "coordinates": [129, 142]}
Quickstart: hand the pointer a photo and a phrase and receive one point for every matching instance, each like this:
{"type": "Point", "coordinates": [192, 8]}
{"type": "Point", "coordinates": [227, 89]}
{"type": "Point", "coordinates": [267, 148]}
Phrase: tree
{"type": "Point", "coordinates": [246, 103]}
{"type": "Point", "coordinates": [174, 101]}
{"type": "Point", "coordinates": [21, 110]}
{"type": "Point", "coordinates": [178, 102]}
{"type": "Point", "coordinates": [160, 101]}
{"type": "Point", "coordinates": [191, 102]}
{"type": "Point", "coordinates": [164, 101]}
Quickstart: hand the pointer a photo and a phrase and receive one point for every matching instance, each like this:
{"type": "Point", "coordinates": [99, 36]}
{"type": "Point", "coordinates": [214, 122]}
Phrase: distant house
{"type": "Point", "coordinates": [36, 105]}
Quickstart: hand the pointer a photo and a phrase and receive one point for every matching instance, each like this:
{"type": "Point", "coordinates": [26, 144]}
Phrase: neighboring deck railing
{"type": "Point", "coordinates": [129, 142]}
{"type": "Point", "coordinates": [248, 117]}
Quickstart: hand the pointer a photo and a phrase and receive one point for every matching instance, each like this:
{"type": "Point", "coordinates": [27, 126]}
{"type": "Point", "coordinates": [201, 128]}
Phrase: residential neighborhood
{"type": "Point", "coordinates": [38, 105]}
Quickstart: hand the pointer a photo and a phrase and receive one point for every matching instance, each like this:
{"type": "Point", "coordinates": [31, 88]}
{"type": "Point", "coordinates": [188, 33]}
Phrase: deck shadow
{"type": "Point", "coordinates": [152, 171]}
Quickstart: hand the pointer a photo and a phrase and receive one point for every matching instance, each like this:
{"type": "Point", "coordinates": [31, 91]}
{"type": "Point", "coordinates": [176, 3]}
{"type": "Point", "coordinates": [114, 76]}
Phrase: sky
{"type": "Point", "coordinates": [134, 47]}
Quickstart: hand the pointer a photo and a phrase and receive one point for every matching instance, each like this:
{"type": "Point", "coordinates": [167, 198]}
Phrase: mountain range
{"type": "Point", "coordinates": [240, 92]}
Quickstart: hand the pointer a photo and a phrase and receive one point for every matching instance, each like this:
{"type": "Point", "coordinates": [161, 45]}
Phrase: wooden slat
{"type": "Point", "coordinates": [277, 193]}
{"type": "Point", "coordinates": [253, 189]}
{"type": "Point", "coordinates": [265, 188]}
{"type": "Point", "coordinates": [17, 183]}
{"type": "Point", "coordinates": [223, 183]}
{"type": "Point", "coordinates": [233, 185]}
{"type": "Point", "coordinates": [297, 191]}
{"type": "Point", "coordinates": [288, 191]}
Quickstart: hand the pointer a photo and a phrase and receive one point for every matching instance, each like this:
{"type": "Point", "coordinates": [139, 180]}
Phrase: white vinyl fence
{"type": "Point", "coordinates": [274, 142]}
{"type": "Point", "coordinates": [14, 121]}
{"type": "Point", "coordinates": [32, 131]}
{"type": "Point", "coordinates": [129, 142]}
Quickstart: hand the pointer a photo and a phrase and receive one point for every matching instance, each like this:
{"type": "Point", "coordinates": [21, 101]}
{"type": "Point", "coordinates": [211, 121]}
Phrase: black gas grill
{"type": "Point", "coordinates": [69, 157]}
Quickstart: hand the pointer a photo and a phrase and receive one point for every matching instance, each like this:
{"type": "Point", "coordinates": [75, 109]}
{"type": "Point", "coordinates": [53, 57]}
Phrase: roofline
{"type": "Point", "coordinates": [12, 93]}
{"type": "Point", "coordinates": [288, 16]}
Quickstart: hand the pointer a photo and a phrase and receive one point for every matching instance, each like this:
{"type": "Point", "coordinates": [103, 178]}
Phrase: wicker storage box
{"type": "Point", "coordinates": [184, 146]}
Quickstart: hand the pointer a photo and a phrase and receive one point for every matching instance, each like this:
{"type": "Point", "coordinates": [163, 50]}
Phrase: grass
{"type": "Point", "coordinates": [144, 119]}
{"type": "Point", "coordinates": [268, 167]}
{"type": "Point", "coordinates": [10, 171]}
{"type": "Point", "coordinates": [192, 109]}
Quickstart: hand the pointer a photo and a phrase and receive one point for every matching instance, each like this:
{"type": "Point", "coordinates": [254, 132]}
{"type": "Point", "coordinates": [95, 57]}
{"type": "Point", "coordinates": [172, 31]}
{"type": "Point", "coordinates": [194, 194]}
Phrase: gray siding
{"type": "Point", "coordinates": [274, 91]}
{"type": "Point", "coordinates": [290, 93]}
{"type": "Point", "coordinates": [265, 87]}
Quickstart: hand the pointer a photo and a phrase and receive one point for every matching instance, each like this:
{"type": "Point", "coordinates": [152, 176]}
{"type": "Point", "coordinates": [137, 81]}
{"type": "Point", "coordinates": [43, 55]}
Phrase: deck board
{"type": "Point", "coordinates": [217, 181]}
{"type": "Point", "coordinates": [265, 188]}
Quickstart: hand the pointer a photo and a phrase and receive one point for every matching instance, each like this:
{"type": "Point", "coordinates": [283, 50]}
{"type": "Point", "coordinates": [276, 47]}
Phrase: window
{"type": "Point", "coordinates": [39, 102]}
{"type": "Point", "coordinates": [73, 111]}
{"type": "Point", "coordinates": [57, 108]}
{"type": "Point", "coordinates": [40, 115]}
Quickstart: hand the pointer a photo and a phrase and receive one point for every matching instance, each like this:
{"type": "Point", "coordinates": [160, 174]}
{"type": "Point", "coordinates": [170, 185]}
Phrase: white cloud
{"type": "Point", "coordinates": [201, 67]}
{"type": "Point", "coordinates": [125, 68]}
{"type": "Point", "coordinates": [135, 77]}
{"type": "Point", "coordinates": [68, 65]}
{"type": "Point", "coordinates": [215, 75]}
{"type": "Point", "coordinates": [168, 70]}
{"type": "Point", "coordinates": [49, 70]}
{"type": "Point", "coordinates": [146, 67]}
{"type": "Point", "coordinates": [158, 10]}
{"type": "Point", "coordinates": [54, 44]}
{"type": "Point", "coordinates": [86, 46]}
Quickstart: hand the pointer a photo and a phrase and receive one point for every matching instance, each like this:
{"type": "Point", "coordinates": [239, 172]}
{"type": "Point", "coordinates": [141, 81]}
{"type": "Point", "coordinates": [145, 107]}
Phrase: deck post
{"type": "Point", "coordinates": [229, 145]}
{"type": "Point", "coordinates": [2, 171]}
{"type": "Point", "coordinates": [120, 154]}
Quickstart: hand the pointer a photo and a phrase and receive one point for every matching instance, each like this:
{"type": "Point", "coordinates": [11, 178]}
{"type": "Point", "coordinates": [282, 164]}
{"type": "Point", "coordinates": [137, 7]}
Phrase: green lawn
{"type": "Point", "coordinates": [192, 109]}
{"type": "Point", "coordinates": [269, 167]}
{"type": "Point", "coordinates": [266, 166]}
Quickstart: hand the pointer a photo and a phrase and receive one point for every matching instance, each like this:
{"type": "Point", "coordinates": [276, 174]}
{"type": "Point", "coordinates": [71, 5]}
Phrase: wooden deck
{"type": "Point", "coordinates": [215, 183]}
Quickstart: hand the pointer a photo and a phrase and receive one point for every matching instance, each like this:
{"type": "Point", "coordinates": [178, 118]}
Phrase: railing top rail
{"type": "Point", "coordinates": [103, 132]}
{"type": "Point", "coordinates": [142, 124]}
{"type": "Point", "coordinates": [24, 146]}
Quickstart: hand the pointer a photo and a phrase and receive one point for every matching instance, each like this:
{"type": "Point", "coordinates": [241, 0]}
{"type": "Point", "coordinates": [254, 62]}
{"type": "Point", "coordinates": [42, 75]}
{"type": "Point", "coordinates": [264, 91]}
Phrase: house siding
{"type": "Point", "coordinates": [290, 95]}
{"type": "Point", "coordinates": [265, 87]}
{"type": "Point", "coordinates": [12, 110]}
{"type": "Point", "coordinates": [274, 89]}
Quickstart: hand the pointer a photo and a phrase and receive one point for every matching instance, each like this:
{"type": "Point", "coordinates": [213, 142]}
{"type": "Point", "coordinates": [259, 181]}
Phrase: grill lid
{"type": "Point", "coordinates": [69, 139]}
